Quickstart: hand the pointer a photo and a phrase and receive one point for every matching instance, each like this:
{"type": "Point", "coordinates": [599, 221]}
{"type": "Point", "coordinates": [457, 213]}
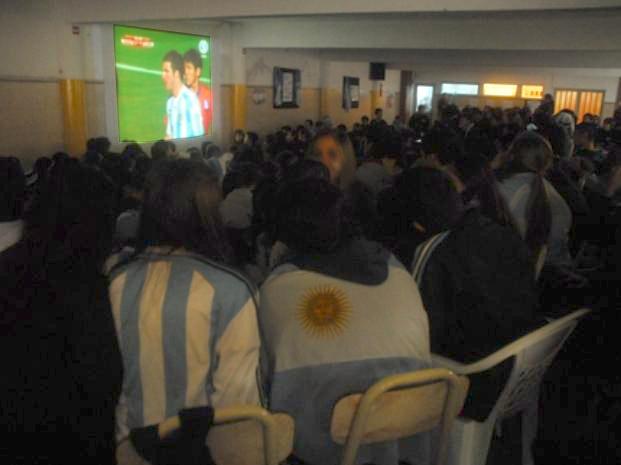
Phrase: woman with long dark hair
{"type": "Point", "coordinates": [186, 322]}
{"type": "Point", "coordinates": [61, 367]}
{"type": "Point", "coordinates": [539, 212]}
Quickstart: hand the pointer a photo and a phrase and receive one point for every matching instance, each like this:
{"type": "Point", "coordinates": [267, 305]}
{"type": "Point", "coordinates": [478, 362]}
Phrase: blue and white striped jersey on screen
{"type": "Point", "coordinates": [185, 118]}
{"type": "Point", "coordinates": [188, 334]}
{"type": "Point", "coordinates": [325, 338]}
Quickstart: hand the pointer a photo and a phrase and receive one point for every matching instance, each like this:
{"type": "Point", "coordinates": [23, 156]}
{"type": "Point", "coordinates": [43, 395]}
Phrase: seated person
{"type": "Point", "coordinates": [377, 173]}
{"type": "Point", "coordinates": [539, 212]}
{"type": "Point", "coordinates": [62, 368]}
{"type": "Point", "coordinates": [12, 197]}
{"type": "Point", "coordinates": [129, 220]}
{"type": "Point", "coordinates": [337, 315]}
{"type": "Point", "coordinates": [585, 145]}
{"type": "Point", "coordinates": [475, 276]}
{"type": "Point", "coordinates": [186, 323]}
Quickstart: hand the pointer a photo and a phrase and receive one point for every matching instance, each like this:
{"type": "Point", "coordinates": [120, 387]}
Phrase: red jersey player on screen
{"type": "Point", "coordinates": [193, 67]}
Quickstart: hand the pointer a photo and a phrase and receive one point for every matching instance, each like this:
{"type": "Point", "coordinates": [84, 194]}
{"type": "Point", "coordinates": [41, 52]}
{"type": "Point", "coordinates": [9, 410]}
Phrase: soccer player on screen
{"type": "Point", "coordinates": [193, 67]}
{"type": "Point", "coordinates": [183, 110]}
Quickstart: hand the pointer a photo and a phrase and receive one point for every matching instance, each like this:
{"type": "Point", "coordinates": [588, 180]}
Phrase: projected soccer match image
{"type": "Point", "coordinates": [163, 82]}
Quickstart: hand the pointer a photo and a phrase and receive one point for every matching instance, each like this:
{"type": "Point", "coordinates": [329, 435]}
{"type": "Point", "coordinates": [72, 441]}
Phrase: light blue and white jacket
{"type": "Point", "coordinates": [188, 333]}
{"type": "Point", "coordinates": [326, 337]}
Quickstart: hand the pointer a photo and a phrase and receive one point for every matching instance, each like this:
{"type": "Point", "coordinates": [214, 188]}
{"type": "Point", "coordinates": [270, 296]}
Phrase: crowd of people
{"type": "Point", "coordinates": [293, 270]}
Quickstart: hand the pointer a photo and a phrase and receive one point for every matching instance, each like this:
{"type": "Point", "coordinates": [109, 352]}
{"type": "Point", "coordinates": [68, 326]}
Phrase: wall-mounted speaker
{"type": "Point", "coordinates": [377, 71]}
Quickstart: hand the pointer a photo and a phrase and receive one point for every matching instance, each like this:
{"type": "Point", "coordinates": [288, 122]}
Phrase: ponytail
{"type": "Point", "coordinates": [531, 153]}
{"type": "Point", "coordinates": [538, 216]}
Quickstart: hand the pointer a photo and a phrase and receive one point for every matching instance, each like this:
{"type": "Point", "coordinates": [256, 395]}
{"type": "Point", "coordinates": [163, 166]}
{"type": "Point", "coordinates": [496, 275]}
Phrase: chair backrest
{"type": "Point", "coordinates": [541, 260]}
{"type": "Point", "coordinates": [250, 435]}
{"type": "Point", "coordinates": [241, 435]}
{"type": "Point", "coordinates": [533, 355]}
{"type": "Point", "coordinates": [399, 406]}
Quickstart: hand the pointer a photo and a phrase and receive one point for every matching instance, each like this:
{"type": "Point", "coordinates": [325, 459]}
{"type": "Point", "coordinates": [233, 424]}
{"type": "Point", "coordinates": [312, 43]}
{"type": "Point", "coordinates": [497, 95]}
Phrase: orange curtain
{"type": "Point", "coordinates": [590, 102]}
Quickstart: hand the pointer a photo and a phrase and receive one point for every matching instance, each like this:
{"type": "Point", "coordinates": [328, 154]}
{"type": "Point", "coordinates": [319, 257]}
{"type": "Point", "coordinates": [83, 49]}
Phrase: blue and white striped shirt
{"type": "Point", "coordinates": [185, 118]}
{"type": "Point", "coordinates": [188, 334]}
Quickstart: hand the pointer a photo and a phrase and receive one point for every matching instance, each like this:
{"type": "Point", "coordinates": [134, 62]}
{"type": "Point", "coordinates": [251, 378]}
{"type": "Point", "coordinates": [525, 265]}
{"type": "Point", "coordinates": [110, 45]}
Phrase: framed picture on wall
{"type": "Point", "coordinates": [351, 92]}
{"type": "Point", "coordinates": [287, 84]}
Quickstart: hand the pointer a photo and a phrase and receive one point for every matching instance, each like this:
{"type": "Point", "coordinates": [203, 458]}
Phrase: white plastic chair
{"type": "Point", "coordinates": [470, 440]}
{"type": "Point", "coordinates": [399, 406]}
{"type": "Point", "coordinates": [541, 260]}
{"type": "Point", "coordinates": [241, 435]}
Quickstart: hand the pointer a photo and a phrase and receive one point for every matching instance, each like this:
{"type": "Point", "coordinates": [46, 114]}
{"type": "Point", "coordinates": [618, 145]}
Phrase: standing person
{"type": "Point", "coordinates": [186, 323]}
{"type": "Point", "coordinates": [193, 67]}
{"type": "Point", "coordinates": [183, 110]}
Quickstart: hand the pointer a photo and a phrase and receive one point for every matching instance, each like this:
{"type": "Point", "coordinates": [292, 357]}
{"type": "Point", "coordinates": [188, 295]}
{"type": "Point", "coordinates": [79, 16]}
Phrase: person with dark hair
{"type": "Point", "coordinates": [102, 145]}
{"type": "Point", "coordinates": [310, 127]}
{"type": "Point", "coordinates": [62, 369]}
{"type": "Point", "coordinates": [377, 173]}
{"type": "Point", "coordinates": [364, 121]}
{"type": "Point", "coordinates": [12, 200]}
{"type": "Point", "coordinates": [128, 222]}
{"type": "Point", "coordinates": [307, 169]}
{"type": "Point", "coordinates": [162, 150]}
{"type": "Point", "coordinates": [324, 327]}
{"type": "Point", "coordinates": [476, 278]}
{"type": "Point", "coordinates": [187, 322]}
{"type": "Point", "coordinates": [193, 68]}
{"type": "Point", "coordinates": [236, 209]}
{"type": "Point", "coordinates": [184, 117]}
{"type": "Point", "coordinates": [539, 212]}
{"type": "Point", "coordinates": [378, 117]}
{"type": "Point", "coordinates": [238, 139]}
{"type": "Point", "coordinates": [237, 187]}
{"type": "Point", "coordinates": [195, 154]}
{"type": "Point", "coordinates": [92, 159]}
{"type": "Point", "coordinates": [585, 145]}
{"type": "Point", "coordinates": [481, 188]}
{"type": "Point", "coordinates": [449, 117]}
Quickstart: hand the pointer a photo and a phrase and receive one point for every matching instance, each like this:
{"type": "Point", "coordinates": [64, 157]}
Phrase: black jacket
{"type": "Point", "coordinates": [478, 288]}
{"type": "Point", "coordinates": [61, 364]}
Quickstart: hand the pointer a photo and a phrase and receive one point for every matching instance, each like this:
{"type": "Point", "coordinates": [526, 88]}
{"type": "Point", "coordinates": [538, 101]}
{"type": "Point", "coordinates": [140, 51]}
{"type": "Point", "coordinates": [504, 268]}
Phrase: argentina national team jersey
{"type": "Point", "coordinates": [188, 333]}
{"type": "Point", "coordinates": [325, 338]}
{"type": "Point", "coordinates": [185, 118]}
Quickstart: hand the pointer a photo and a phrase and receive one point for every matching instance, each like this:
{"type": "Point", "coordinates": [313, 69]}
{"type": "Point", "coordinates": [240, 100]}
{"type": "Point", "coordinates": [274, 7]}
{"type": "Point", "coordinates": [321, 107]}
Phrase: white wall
{"type": "Point", "coordinates": [261, 62]}
{"type": "Point", "coordinates": [597, 31]}
{"type": "Point", "coordinates": [335, 71]}
{"type": "Point", "coordinates": [114, 10]}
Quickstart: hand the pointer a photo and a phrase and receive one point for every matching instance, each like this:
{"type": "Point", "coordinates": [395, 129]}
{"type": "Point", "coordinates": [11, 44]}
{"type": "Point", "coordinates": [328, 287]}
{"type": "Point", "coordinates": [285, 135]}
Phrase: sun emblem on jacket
{"type": "Point", "coordinates": [324, 311]}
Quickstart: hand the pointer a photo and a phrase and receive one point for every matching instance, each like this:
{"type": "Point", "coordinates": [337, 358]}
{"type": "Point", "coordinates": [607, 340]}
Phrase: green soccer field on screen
{"type": "Point", "coordinates": [163, 84]}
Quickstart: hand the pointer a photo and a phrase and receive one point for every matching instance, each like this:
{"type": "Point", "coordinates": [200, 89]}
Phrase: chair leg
{"type": "Point", "coordinates": [530, 418]}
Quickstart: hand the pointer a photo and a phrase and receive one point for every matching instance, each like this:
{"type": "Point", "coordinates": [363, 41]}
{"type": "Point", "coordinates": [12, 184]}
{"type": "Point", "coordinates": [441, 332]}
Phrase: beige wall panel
{"type": "Point", "coordinates": [262, 118]}
{"type": "Point", "coordinates": [32, 125]}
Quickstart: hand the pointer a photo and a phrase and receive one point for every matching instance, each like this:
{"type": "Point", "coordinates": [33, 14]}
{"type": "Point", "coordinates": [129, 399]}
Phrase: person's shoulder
{"type": "Point", "coordinates": [222, 277]}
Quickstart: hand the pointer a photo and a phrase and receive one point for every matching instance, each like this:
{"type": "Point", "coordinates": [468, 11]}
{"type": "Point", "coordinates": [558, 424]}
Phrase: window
{"type": "Point", "coordinates": [458, 88]}
{"type": "Point", "coordinates": [499, 90]}
{"type": "Point", "coordinates": [424, 97]}
{"type": "Point", "coordinates": [580, 102]}
{"type": "Point", "coordinates": [532, 92]}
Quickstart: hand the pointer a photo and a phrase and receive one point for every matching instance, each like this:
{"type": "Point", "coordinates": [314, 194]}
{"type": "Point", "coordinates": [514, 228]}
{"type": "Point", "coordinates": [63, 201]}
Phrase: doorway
{"type": "Point", "coordinates": [424, 97]}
